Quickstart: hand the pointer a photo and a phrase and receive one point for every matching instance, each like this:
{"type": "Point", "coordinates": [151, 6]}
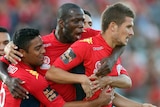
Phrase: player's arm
{"type": "Point", "coordinates": [120, 101]}
{"type": "Point", "coordinates": [59, 75]}
{"type": "Point", "coordinates": [49, 96]}
{"type": "Point", "coordinates": [121, 81]}
{"type": "Point", "coordinates": [103, 99]}
{"type": "Point", "coordinates": [13, 84]}
{"type": "Point", "coordinates": [108, 62]}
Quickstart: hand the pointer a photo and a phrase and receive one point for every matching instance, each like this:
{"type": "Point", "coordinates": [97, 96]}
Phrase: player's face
{"type": "Point", "coordinates": [35, 55]}
{"type": "Point", "coordinates": [87, 21]}
{"type": "Point", "coordinates": [125, 31]}
{"type": "Point", "coordinates": [4, 40]}
{"type": "Point", "coordinates": [73, 25]}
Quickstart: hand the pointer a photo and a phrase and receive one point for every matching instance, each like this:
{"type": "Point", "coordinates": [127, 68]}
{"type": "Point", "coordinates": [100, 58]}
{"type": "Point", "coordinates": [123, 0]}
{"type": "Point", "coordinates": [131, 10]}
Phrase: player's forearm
{"type": "Point", "coordinates": [120, 101]}
{"type": "Point", "coordinates": [93, 103]}
{"type": "Point", "coordinates": [121, 81]}
{"type": "Point", "coordinates": [60, 76]}
{"type": "Point", "coordinates": [117, 51]}
{"type": "Point", "coordinates": [3, 71]}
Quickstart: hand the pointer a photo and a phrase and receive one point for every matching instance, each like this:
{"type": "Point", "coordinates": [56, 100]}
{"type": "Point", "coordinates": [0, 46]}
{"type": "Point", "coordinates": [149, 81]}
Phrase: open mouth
{"type": "Point", "coordinates": [78, 36]}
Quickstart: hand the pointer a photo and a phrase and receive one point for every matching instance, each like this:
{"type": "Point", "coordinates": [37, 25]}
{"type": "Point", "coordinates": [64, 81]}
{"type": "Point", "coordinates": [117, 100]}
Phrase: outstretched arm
{"type": "Point", "coordinates": [108, 62]}
{"type": "Point", "coordinates": [121, 101]}
{"type": "Point", "coordinates": [13, 84]}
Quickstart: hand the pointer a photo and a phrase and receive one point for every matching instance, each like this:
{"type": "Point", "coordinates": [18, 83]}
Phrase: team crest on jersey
{"type": "Point", "coordinates": [88, 40]}
{"type": "Point", "coordinates": [12, 69]}
{"type": "Point", "coordinates": [34, 73]}
{"type": "Point", "coordinates": [50, 93]}
{"type": "Point", "coordinates": [97, 66]}
{"type": "Point", "coordinates": [46, 63]}
{"type": "Point", "coordinates": [119, 68]}
{"type": "Point", "coordinates": [68, 56]}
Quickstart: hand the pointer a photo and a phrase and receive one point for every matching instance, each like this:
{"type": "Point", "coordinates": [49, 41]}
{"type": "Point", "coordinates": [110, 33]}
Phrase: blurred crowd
{"type": "Point", "coordinates": [142, 55]}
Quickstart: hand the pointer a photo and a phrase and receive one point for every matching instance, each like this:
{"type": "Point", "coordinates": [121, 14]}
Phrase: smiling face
{"type": "Point", "coordinates": [124, 32]}
{"type": "Point", "coordinates": [35, 54]}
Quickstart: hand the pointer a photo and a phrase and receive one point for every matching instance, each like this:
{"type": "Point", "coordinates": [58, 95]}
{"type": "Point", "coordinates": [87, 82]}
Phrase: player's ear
{"type": "Point", "coordinates": [61, 23]}
{"type": "Point", "coordinates": [113, 26]}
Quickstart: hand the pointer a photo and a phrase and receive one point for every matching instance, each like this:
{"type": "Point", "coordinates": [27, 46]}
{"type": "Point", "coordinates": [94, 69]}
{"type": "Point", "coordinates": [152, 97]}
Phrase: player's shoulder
{"type": "Point", "coordinates": [48, 37]}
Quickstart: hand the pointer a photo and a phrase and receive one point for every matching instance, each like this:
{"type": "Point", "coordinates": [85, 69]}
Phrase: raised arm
{"type": "Point", "coordinates": [14, 84]}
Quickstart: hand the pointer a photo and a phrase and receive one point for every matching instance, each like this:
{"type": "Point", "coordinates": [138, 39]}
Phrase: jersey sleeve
{"type": "Point", "coordinates": [73, 56]}
{"type": "Point", "coordinates": [39, 88]}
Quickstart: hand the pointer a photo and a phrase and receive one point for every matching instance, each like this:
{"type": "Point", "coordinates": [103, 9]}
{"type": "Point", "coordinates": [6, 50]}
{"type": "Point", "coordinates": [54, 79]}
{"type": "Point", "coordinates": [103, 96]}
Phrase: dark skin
{"type": "Point", "coordinates": [72, 30]}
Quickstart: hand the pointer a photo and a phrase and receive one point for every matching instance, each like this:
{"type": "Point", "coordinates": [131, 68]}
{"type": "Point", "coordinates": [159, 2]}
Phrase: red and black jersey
{"type": "Point", "coordinates": [37, 86]}
{"type": "Point", "coordinates": [90, 51]}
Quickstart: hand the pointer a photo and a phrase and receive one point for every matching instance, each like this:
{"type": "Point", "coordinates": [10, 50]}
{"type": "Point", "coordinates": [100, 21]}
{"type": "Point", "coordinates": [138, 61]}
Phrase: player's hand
{"type": "Point", "coordinates": [88, 86]}
{"type": "Point", "coordinates": [11, 53]}
{"type": "Point", "coordinates": [104, 81]}
{"type": "Point", "coordinates": [106, 66]}
{"type": "Point", "coordinates": [14, 86]}
{"type": "Point", "coordinates": [106, 96]}
{"type": "Point", "coordinates": [148, 105]}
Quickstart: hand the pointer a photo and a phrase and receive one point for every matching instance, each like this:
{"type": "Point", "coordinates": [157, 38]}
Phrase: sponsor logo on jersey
{"type": "Point", "coordinates": [47, 45]}
{"type": "Point", "coordinates": [34, 73]}
{"type": "Point", "coordinates": [68, 56]}
{"type": "Point", "coordinates": [50, 93]}
{"type": "Point", "coordinates": [98, 48]}
{"type": "Point", "coordinates": [88, 40]}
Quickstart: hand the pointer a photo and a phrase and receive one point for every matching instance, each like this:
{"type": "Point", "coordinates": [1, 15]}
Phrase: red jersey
{"type": "Point", "coordinates": [54, 49]}
{"type": "Point", "coordinates": [90, 51]}
{"type": "Point", "coordinates": [35, 84]}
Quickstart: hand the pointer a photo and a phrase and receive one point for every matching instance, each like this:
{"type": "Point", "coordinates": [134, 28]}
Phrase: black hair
{"type": "Point", "coordinates": [65, 9]}
{"type": "Point", "coordinates": [115, 13]}
{"type": "Point", "coordinates": [87, 12]}
{"type": "Point", "coordinates": [2, 29]}
{"type": "Point", "coordinates": [22, 37]}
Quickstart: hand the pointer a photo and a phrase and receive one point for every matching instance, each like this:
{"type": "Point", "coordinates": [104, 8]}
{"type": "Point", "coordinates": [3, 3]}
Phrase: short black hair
{"type": "Point", "coordinates": [22, 37]}
{"type": "Point", "coordinates": [2, 29]}
{"type": "Point", "coordinates": [65, 9]}
{"type": "Point", "coordinates": [87, 12]}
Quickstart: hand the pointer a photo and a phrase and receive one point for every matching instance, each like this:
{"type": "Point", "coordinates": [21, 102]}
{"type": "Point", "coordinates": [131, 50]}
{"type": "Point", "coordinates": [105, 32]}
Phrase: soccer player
{"type": "Point", "coordinates": [117, 29]}
{"type": "Point", "coordinates": [87, 20]}
{"type": "Point", "coordinates": [35, 83]}
{"type": "Point", "coordinates": [69, 28]}
{"type": "Point", "coordinates": [4, 39]}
